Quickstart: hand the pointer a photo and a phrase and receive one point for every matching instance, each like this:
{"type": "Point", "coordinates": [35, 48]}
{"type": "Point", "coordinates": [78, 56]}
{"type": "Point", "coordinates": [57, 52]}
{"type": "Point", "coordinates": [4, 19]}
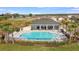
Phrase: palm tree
{"type": "Point", "coordinates": [2, 36]}
{"type": "Point", "coordinates": [75, 27]}
{"type": "Point", "coordinates": [72, 29]}
{"type": "Point", "coordinates": [65, 23]}
{"type": "Point", "coordinates": [9, 26]}
{"type": "Point", "coordinates": [6, 28]}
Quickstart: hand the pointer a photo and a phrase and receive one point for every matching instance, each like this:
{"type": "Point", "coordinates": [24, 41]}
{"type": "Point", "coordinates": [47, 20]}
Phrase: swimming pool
{"type": "Point", "coordinates": [39, 36]}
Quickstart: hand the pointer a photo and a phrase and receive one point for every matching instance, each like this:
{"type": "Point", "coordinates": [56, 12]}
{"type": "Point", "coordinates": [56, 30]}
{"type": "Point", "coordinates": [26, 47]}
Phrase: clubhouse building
{"type": "Point", "coordinates": [44, 24]}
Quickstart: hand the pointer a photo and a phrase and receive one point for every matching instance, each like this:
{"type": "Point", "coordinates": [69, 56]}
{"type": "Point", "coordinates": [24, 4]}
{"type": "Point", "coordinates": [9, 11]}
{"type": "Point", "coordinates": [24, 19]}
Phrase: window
{"type": "Point", "coordinates": [50, 27]}
{"type": "Point", "coordinates": [43, 27]}
{"type": "Point", "coordinates": [38, 27]}
{"type": "Point", "coordinates": [56, 27]}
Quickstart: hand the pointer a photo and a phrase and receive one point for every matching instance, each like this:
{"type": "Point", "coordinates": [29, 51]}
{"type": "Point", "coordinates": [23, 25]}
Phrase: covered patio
{"type": "Point", "coordinates": [44, 24]}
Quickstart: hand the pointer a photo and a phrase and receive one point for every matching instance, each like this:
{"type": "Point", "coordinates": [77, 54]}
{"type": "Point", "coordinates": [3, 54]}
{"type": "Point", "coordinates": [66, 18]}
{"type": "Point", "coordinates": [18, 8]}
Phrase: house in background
{"type": "Point", "coordinates": [44, 24]}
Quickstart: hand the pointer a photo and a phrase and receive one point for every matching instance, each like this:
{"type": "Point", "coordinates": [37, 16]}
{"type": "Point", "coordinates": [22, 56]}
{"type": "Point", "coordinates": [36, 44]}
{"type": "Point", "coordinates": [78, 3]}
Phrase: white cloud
{"type": "Point", "coordinates": [75, 8]}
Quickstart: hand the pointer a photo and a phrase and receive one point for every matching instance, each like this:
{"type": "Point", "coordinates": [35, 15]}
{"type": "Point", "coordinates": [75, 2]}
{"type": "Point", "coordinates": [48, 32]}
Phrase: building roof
{"type": "Point", "coordinates": [44, 21]}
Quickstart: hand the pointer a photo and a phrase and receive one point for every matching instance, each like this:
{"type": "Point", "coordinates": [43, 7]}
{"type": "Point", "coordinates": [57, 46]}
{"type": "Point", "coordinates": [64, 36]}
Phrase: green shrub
{"type": "Point", "coordinates": [56, 43]}
{"type": "Point", "coordinates": [41, 43]}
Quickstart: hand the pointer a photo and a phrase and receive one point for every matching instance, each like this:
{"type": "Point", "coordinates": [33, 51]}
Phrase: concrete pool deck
{"type": "Point", "coordinates": [16, 35]}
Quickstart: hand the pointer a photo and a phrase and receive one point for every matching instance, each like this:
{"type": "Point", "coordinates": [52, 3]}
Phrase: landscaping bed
{"type": "Point", "coordinates": [40, 43]}
{"type": "Point", "coordinates": [18, 47]}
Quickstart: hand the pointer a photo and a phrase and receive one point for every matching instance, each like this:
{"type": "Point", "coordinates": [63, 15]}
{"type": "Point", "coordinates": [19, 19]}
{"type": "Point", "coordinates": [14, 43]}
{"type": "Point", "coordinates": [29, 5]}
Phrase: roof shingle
{"type": "Point", "coordinates": [44, 21]}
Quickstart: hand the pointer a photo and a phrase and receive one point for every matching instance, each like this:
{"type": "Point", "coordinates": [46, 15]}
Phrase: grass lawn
{"type": "Point", "coordinates": [16, 47]}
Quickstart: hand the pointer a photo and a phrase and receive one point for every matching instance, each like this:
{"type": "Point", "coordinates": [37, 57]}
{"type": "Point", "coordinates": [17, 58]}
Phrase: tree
{"type": "Point", "coordinates": [7, 28]}
{"type": "Point", "coordinates": [30, 14]}
{"type": "Point", "coordinates": [16, 15]}
{"type": "Point", "coordinates": [65, 23]}
{"type": "Point", "coordinates": [72, 29]}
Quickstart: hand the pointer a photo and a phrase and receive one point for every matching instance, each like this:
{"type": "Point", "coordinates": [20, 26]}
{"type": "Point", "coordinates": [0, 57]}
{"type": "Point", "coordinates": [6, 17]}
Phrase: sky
{"type": "Point", "coordinates": [39, 10]}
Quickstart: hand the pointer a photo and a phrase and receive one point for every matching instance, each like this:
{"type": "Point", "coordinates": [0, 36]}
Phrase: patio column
{"type": "Point", "coordinates": [46, 27]}
{"type": "Point", "coordinates": [53, 27]}
{"type": "Point", "coordinates": [39, 27]}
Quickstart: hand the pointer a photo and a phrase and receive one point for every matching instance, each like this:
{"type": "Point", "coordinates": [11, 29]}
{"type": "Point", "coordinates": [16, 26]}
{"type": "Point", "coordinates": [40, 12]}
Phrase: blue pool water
{"type": "Point", "coordinates": [39, 36]}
